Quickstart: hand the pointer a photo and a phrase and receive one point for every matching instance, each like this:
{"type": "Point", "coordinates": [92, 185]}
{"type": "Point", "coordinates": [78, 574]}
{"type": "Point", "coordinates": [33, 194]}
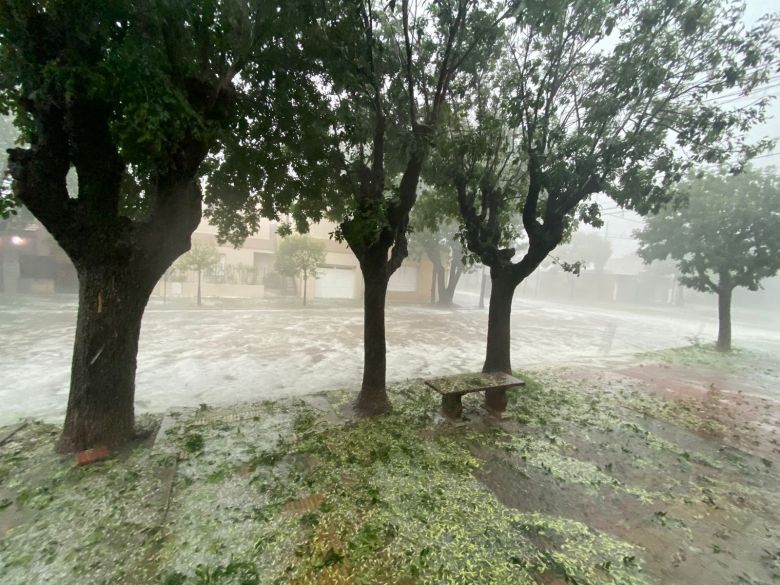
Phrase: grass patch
{"type": "Point", "coordinates": [284, 496]}
{"type": "Point", "coordinates": [703, 355]}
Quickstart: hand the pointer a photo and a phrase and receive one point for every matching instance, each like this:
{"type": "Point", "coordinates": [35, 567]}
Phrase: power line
{"type": "Point", "coordinates": [720, 164]}
{"type": "Point", "coordinates": [741, 94]}
{"type": "Point", "coordinates": [623, 218]}
{"type": "Point", "coordinates": [766, 155]}
{"type": "Point", "coordinates": [751, 158]}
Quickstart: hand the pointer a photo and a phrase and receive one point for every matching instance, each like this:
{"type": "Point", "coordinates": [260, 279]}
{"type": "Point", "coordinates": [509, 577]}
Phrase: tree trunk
{"type": "Point", "coordinates": [199, 275]}
{"type": "Point", "coordinates": [440, 284]}
{"type": "Point", "coordinates": [305, 282]}
{"type": "Point", "coordinates": [448, 293]}
{"type": "Point", "coordinates": [497, 356]}
{"type": "Point", "coordinates": [372, 399]}
{"type": "Point", "coordinates": [102, 387]}
{"type": "Point", "coordinates": [437, 280]}
{"type": "Point", "coordinates": [724, 318]}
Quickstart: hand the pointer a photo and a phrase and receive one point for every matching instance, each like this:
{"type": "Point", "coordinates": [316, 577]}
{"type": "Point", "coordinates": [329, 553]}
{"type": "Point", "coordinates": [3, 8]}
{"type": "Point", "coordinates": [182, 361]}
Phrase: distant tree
{"type": "Point", "coordinates": [571, 113]}
{"type": "Point", "coordinates": [299, 256]}
{"type": "Point", "coordinates": [588, 249]}
{"type": "Point", "coordinates": [726, 234]}
{"type": "Point", "coordinates": [201, 257]}
{"type": "Point", "coordinates": [434, 230]}
{"type": "Point", "coordinates": [132, 94]}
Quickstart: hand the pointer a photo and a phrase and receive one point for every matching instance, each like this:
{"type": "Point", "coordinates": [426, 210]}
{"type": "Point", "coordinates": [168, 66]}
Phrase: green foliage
{"type": "Point", "coordinates": [109, 509]}
{"type": "Point", "coordinates": [434, 228]}
{"type": "Point", "coordinates": [193, 443]}
{"type": "Point", "coordinates": [596, 116]}
{"type": "Point", "coordinates": [571, 112]}
{"type": "Point", "coordinates": [288, 494]}
{"type": "Point", "coordinates": [281, 156]}
{"type": "Point", "coordinates": [201, 256]}
{"type": "Point", "coordinates": [706, 356]}
{"type": "Point", "coordinates": [299, 255]}
{"type": "Point", "coordinates": [478, 171]}
{"type": "Point", "coordinates": [371, 101]}
{"type": "Point", "coordinates": [723, 231]}
{"type": "Point", "coordinates": [8, 136]}
{"type": "Point", "coordinates": [434, 225]}
{"type": "Point", "coordinates": [146, 89]}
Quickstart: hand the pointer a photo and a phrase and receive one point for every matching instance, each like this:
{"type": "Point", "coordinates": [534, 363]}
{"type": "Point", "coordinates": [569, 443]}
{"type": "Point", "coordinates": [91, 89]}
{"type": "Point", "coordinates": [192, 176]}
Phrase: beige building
{"type": "Point", "coordinates": [248, 272]}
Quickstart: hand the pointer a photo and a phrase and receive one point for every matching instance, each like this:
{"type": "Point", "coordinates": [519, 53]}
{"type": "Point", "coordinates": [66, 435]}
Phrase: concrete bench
{"type": "Point", "coordinates": [452, 388]}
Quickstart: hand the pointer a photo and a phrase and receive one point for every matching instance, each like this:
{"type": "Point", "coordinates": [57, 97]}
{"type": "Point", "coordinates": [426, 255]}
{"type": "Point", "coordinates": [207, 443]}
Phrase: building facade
{"type": "Point", "coordinates": [31, 262]}
{"type": "Point", "coordinates": [248, 271]}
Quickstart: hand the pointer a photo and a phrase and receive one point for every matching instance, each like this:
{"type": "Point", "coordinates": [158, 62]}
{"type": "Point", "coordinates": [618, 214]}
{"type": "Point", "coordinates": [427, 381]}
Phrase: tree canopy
{"type": "Point", "coordinates": [434, 232]}
{"type": "Point", "coordinates": [299, 255]}
{"type": "Point", "coordinates": [201, 256]}
{"type": "Point", "coordinates": [385, 73]}
{"type": "Point", "coordinates": [612, 97]}
{"type": "Point", "coordinates": [722, 231]}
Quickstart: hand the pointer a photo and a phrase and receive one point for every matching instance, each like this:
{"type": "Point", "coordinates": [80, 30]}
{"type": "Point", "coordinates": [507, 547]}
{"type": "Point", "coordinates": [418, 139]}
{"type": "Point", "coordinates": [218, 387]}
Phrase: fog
{"type": "Point", "coordinates": [267, 345]}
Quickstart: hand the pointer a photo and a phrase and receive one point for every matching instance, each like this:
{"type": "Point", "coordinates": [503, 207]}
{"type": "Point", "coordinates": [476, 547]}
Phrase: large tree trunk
{"type": "Point", "coordinates": [724, 318]}
{"type": "Point", "coordinates": [100, 405]}
{"type": "Point", "coordinates": [497, 356]}
{"type": "Point", "coordinates": [372, 399]}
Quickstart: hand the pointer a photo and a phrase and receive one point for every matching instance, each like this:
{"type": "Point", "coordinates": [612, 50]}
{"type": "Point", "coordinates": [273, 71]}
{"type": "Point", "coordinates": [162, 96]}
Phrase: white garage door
{"type": "Point", "coordinates": [335, 283]}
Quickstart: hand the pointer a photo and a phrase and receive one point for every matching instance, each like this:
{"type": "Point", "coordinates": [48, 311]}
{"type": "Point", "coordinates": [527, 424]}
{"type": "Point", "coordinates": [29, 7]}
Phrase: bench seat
{"type": "Point", "coordinates": [452, 388]}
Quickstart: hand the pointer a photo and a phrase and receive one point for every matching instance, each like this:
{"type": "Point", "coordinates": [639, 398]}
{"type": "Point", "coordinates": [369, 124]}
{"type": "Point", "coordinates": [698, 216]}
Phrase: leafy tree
{"type": "Point", "coordinates": [725, 234]}
{"type": "Point", "coordinates": [387, 69]}
{"type": "Point", "coordinates": [613, 97]}
{"type": "Point", "coordinates": [201, 257]}
{"type": "Point", "coordinates": [299, 256]}
{"type": "Point", "coordinates": [393, 96]}
{"type": "Point", "coordinates": [132, 95]}
{"type": "Point", "coordinates": [434, 233]}
{"type": "Point", "coordinates": [586, 249]}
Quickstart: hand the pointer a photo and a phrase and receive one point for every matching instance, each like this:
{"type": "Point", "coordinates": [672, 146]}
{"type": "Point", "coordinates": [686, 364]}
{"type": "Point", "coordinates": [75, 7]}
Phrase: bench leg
{"type": "Point", "coordinates": [496, 400]}
{"type": "Point", "coordinates": [451, 406]}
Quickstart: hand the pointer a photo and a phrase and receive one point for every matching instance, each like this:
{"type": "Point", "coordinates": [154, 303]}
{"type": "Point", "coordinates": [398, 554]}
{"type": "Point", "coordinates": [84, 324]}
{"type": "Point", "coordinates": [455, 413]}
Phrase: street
{"type": "Point", "coordinates": [222, 355]}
